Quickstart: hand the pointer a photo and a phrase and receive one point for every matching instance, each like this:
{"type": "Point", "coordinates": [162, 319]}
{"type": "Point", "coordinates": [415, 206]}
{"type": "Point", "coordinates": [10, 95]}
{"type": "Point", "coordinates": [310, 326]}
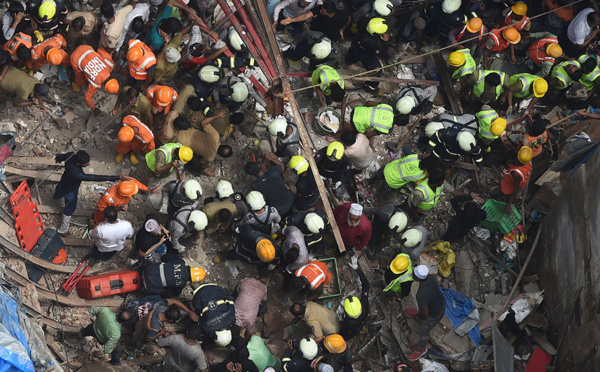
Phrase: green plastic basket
{"type": "Point", "coordinates": [335, 281]}
{"type": "Point", "coordinates": [497, 219]}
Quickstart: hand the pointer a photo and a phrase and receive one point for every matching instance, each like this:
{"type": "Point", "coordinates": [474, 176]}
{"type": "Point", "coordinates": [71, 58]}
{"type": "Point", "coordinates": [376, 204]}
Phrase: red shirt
{"type": "Point", "coordinates": [358, 236]}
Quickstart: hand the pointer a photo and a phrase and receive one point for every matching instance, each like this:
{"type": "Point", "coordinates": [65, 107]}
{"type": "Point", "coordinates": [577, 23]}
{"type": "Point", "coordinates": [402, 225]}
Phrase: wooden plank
{"type": "Point", "coordinates": [58, 351]}
{"type": "Point", "coordinates": [78, 242]}
{"type": "Point", "coordinates": [50, 322]}
{"type": "Point", "coordinates": [144, 361]}
{"type": "Point", "coordinates": [37, 174]}
{"type": "Point", "coordinates": [447, 83]}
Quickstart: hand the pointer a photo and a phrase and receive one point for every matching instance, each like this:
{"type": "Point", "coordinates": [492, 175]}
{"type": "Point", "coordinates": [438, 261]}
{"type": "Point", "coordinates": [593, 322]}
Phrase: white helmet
{"type": "Point", "coordinates": [321, 49]}
{"type": "Point", "coordinates": [278, 126]}
{"type": "Point", "coordinates": [383, 7]}
{"type": "Point", "coordinates": [198, 220]}
{"type": "Point", "coordinates": [224, 189]}
{"type": "Point", "coordinates": [235, 40]}
{"type": "Point", "coordinates": [466, 141]}
{"type": "Point", "coordinates": [172, 55]}
{"type": "Point", "coordinates": [314, 223]}
{"type": "Point", "coordinates": [450, 6]}
{"type": "Point", "coordinates": [255, 200]}
{"type": "Point", "coordinates": [192, 189]}
{"type": "Point", "coordinates": [239, 92]}
{"type": "Point", "coordinates": [398, 221]}
{"type": "Point", "coordinates": [209, 74]}
{"type": "Point", "coordinates": [405, 105]}
{"type": "Point", "coordinates": [223, 337]}
{"type": "Point", "coordinates": [412, 237]}
{"type": "Point", "coordinates": [308, 348]}
{"type": "Point", "coordinates": [432, 127]}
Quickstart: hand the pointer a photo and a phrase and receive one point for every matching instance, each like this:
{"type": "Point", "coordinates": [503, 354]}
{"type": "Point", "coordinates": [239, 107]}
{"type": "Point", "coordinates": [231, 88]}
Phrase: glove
{"type": "Point", "coordinates": [426, 107]}
{"type": "Point", "coordinates": [509, 110]}
{"type": "Point", "coordinates": [353, 263]}
{"type": "Point", "coordinates": [337, 185]}
{"type": "Point", "coordinates": [220, 44]}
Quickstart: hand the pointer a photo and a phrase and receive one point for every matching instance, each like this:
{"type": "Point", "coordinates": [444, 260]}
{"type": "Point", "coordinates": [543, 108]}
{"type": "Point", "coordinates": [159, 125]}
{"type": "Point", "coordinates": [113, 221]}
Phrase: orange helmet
{"type": "Point", "coordinates": [127, 188]}
{"type": "Point", "coordinates": [135, 54]}
{"type": "Point", "coordinates": [126, 134]}
{"type": "Point", "coordinates": [112, 86]}
{"type": "Point", "coordinates": [511, 35]}
{"type": "Point", "coordinates": [164, 96]}
{"type": "Point", "coordinates": [54, 57]}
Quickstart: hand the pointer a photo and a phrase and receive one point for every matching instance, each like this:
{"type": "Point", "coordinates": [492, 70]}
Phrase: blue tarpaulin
{"type": "Point", "coordinates": [14, 351]}
{"type": "Point", "coordinates": [458, 308]}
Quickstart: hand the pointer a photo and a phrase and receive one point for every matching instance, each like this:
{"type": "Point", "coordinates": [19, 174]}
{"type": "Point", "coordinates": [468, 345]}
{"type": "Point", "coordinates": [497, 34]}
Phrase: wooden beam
{"type": "Point", "coordinates": [37, 174]}
{"type": "Point", "coordinates": [447, 83]}
{"type": "Point", "coordinates": [78, 242]}
{"type": "Point", "coordinates": [50, 322]}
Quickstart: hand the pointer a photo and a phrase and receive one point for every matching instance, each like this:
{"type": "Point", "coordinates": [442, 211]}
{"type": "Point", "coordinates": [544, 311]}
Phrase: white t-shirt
{"type": "Point", "coordinates": [579, 29]}
{"type": "Point", "coordinates": [140, 10]}
{"type": "Point", "coordinates": [110, 237]}
{"type": "Point", "coordinates": [360, 154]}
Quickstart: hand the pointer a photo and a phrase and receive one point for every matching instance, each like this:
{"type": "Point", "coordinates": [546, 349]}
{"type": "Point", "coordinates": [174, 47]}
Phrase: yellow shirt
{"type": "Point", "coordinates": [322, 321]}
{"type": "Point", "coordinates": [18, 84]}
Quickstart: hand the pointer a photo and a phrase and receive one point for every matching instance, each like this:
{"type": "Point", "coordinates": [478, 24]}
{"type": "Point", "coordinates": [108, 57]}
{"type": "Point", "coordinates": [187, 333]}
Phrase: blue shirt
{"type": "Point", "coordinates": [74, 175]}
{"type": "Point", "coordinates": [154, 39]}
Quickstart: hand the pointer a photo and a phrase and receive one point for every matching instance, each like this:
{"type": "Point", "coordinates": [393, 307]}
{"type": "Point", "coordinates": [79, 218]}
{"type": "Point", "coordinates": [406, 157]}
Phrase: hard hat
{"type": "Point", "coordinates": [377, 26]}
{"type": "Point", "coordinates": [198, 220]}
{"type": "Point", "coordinates": [299, 164]}
{"type": "Point", "coordinates": [432, 128]}
{"type": "Point", "coordinates": [352, 307]}
{"type": "Point", "coordinates": [308, 348]}
{"type": "Point", "coordinates": [335, 343]}
{"type": "Point", "coordinates": [399, 264]}
{"type": "Point", "coordinates": [498, 126]}
{"type": "Point", "coordinates": [185, 154]}
{"type": "Point", "coordinates": [192, 189]}
{"type": "Point", "coordinates": [554, 50]}
{"type": "Point", "coordinates": [321, 49]}
{"type": "Point", "coordinates": [240, 92]}
{"type": "Point", "coordinates": [278, 126]}
{"type": "Point", "coordinates": [47, 9]}
{"type": "Point", "coordinates": [383, 7]}
{"type": "Point", "coordinates": [405, 105]}
{"type": "Point", "coordinates": [466, 141]}
{"type": "Point", "coordinates": [236, 40]}
{"type": "Point", "coordinates": [265, 250]}
{"type": "Point", "coordinates": [474, 25]}
{"type": "Point", "coordinates": [412, 237]}
{"type": "Point", "coordinates": [335, 149]}
{"type": "Point", "coordinates": [127, 188]}
{"type": "Point", "coordinates": [209, 74]}
{"type": "Point", "coordinates": [112, 86]}
{"type": "Point", "coordinates": [197, 274]}
{"type": "Point", "coordinates": [519, 8]}
{"type": "Point", "coordinates": [172, 55]}
{"type": "Point", "coordinates": [525, 154]}
{"type": "Point", "coordinates": [511, 35]}
{"type": "Point", "coordinates": [54, 57]}
{"type": "Point", "coordinates": [540, 87]}
{"type": "Point", "coordinates": [450, 6]}
{"type": "Point", "coordinates": [164, 96]}
{"type": "Point", "coordinates": [224, 189]}
{"type": "Point", "coordinates": [398, 221]}
{"type": "Point", "coordinates": [126, 134]}
{"type": "Point", "coordinates": [456, 59]}
{"type": "Point", "coordinates": [223, 337]}
{"type": "Point", "coordinates": [135, 54]}
{"type": "Point", "coordinates": [255, 200]}
{"type": "Point", "coordinates": [314, 223]}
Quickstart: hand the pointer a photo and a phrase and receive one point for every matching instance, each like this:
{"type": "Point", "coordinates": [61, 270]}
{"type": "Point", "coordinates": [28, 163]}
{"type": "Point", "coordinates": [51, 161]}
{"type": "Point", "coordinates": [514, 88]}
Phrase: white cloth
{"type": "Point", "coordinates": [421, 272]}
{"type": "Point", "coordinates": [140, 10]}
{"type": "Point", "coordinates": [356, 209]}
{"type": "Point", "coordinates": [579, 29]}
{"type": "Point", "coordinates": [110, 237]}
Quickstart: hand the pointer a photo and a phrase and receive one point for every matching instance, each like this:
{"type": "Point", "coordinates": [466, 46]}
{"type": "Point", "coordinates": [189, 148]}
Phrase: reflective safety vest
{"type": "Point", "coordinates": [500, 43]}
{"type": "Point", "coordinates": [144, 134]}
{"type": "Point", "coordinates": [559, 73]}
{"type": "Point", "coordinates": [485, 119]}
{"type": "Point", "coordinates": [430, 197]}
{"type": "Point", "coordinates": [326, 74]}
{"type": "Point", "coordinates": [15, 42]}
{"type": "Point", "coordinates": [519, 26]}
{"type": "Point", "coordinates": [138, 70]}
{"type": "Point", "coordinates": [588, 79]}
{"type": "Point", "coordinates": [407, 276]}
{"type": "Point", "coordinates": [526, 82]}
{"type": "Point", "coordinates": [316, 273]}
{"type": "Point", "coordinates": [380, 118]}
{"type": "Point", "coordinates": [96, 66]}
{"type": "Point", "coordinates": [536, 143]}
{"type": "Point", "coordinates": [402, 171]}
{"type": "Point", "coordinates": [166, 149]}
{"type": "Point", "coordinates": [38, 56]}
{"type": "Point", "coordinates": [172, 274]}
{"type": "Point", "coordinates": [466, 34]}
{"type": "Point", "coordinates": [467, 68]}
{"type": "Point", "coordinates": [537, 50]}
{"type": "Point", "coordinates": [217, 303]}
{"type": "Point", "coordinates": [479, 87]}
{"type": "Point", "coordinates": [522, 170]}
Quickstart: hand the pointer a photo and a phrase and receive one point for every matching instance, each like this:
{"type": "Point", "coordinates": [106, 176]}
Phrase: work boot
{"type": "Point", "coordinates": [133, 159]}
{"type": "Point", "coordinates": [76, 87]}
{"type": "Point", "coordinates": [119, 158]}
{"type": "Point", "coordinates": [64, 225]}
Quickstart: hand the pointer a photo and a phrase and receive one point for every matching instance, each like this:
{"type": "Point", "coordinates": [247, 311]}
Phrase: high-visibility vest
{"type": "Point", "coordinates": [519, 26]}
{"type": "Point", "coordinates": [480, 86]}
{"type": "Point", "coordinates": [405, 277]}
{"type": "Point", "coordinates": [536, 143]}
{"type": "Point", "coordinates": [402, 171]}
{"type": "Point", "coordinates": [37, 52]}
{"type": "Point", "coordinates": [588, 79]}
{"type": "Point", "coordinates": [430, 197]}
{"type": "Point", "coordinates": [526, 82]}
{"type": "Point", "coordinates": [166, 149]}
{"type": "Point", "coordinates": [15, 42]}
{"type": "Point", "coordinates": [537, 50]}
{"type": "Point", "coordinates": [315, 272]}
{"type": "Point", "coordinates": [139, 70]}
{"type": "Point", "coordinates": [500, 43]}
{"type": "Point", "coordinates": [380, 118]}
{"type": "Point", "coordinates": [144, 134]}
{"type": "Point", "coordinates": [559, 73]}
{"type": "Point", "coordinates": [467, 35]}
{"type": "Point", "coordinates": [485, 119]}
{"type": "Point", "coordinates": [326, 74]}
{"type": "Point", "coordinates": [96, 66]}
{"type": "Point", "coordinates": [468, 67]}
{"type": "Point", "coordinates": [523, 170]}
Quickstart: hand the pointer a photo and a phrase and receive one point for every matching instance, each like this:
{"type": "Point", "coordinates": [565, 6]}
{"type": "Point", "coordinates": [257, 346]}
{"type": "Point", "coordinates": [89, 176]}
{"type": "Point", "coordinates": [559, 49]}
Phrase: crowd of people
{"type": "Point", "coordinates": [181, 89]}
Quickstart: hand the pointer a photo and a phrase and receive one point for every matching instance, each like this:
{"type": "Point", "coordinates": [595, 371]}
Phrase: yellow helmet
{"type": "Point", "coordinates": [335, 343]}
{"type": "Point", "coordinates": [519, 8]}
{"type": "Point", "coordinates": [540, 87]}
{"type": "Point", "coordinates": [498, 126]}
{"type": "Point", "coordinates": [456, 59]}
{"type": "Point", "coordinates": [525, 154]}
{"type": "Point", "coordinates": [352, 307]}
{"type": "Point", "coordinates": [400, 264]}
{"type": "Point", "coordinates": [185, 154]}
{"type": "Point", "coordinates": [197, 274]}
{"type": "Point", "coordinates": [335, 150]}
{"type": "Point", "coordinates": [47, 9]}
{"type": "Point", "coordinates": [554, 50]}
{"type": "Point", "coordinates": [377, 26]}
{"type": "Point", "coordinates": [299, 164]}
{"type": "Point", "coordinates": [474, 25]}
{"type": "Point", "coordinates": [265, 250]}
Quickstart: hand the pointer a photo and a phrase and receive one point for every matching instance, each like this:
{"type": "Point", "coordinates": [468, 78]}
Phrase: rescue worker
{"type": "Point", "coordinates": [118, 196]}
{"type": "Point", "coordinates": [47, 15]}
{"type": "Point", "coordinates": [409, 168]}
{"type": "Point", "coordinates": [442, 18]}
{"type": "Point", "coordinates": [385, 218]}
{"type": "Point", "coordinates": [413, 240]}
{"type": "Point", "coordinates": [168, 278]}
{"type": "Point", "coordinates": [543, 52]}
{"type": "Point", "coordinates": [310, 279]}
{"type": "Point", "coordinates": [307, 191]}
{"type": "Point", "coordinates": [19, 48]}
{"type": "Point", "coordinates": [372, 119]}
{"type": "Point", "coordinates": [24, 90]}
{"type": "Point", "coordinates": [299, 354]}
{"type": "Point", "coordinates": [462, 65]}
{"type": "Point", "coordinates": [398, 276]}
{"type": "Point", "coordinates": [232, 91]}
{"type": "Point", "coordinates": [312, 224]}
{"type": "Point", "coordinates": [134, 137]}
{"type": "Point", "coordinates": [255, 247]}
{"type": "Point", "coordinates": [413, 101]}
{"type": "Point", "coordinates": [489, 86]}
{"type": "Point", "coordinates": [319, 49]}
{"type": "Point", "coordinates": [465, 122]}
{"type": "Point", "coordinates": [95, 69]}
{"type": "Point", "coordinates": [186, 220]}
{"type": "Point", "coordinates": [332, 88]}
{"type": "Point", "coordinates": [536, 136]}
{"type": "Point", "coordinates": [426, 195]}
{"type": "Point", "coordinates": [563, 74]}
{"type": "Point", "coordinates": [142, 64]}
{"type": "Point", "coordinates": [469, 34]}
{"type": "Point", "coordinates": [321, 320]}
{"type": "Point", "coordinates": [516, 16]}
{"type": "Point", "coordinates": [336, 354]}
{"type": "Point", "coordinates": [225, 193]}
{"type": "Point", "coordinates": [50, 51]}
{"type": "Point", "coordinates": [526, 86]}
{"type": "Point", "coordinates": [132, 102]}
{"type": "Point", "coordinates": [356, 311]}
{"type": "Point", "coordinates": [498, 40]}
{"type": "Point", "coordinates": [378, 8]}
{"type": "Point", "coordinates": [368, 45]}
{"type": "Point", "coordinates": [270, 183]}
{"type": "Point", "coordinates": [261, 217]}
{"type": "Point", "coordinates": [333, 164]}
{"type": "Point", "coordinates": [490, 125]}
{"type": "Point", "coordinates": [216, 312]}
{"type": "Point", "coordinates": [450, 144]}
{"type": "Point", "coordinates": [287, 142]}
{"type": "Point", "coordinates": [220, 215]}
{"type": "Point", "coordinates": [161, 98]}
{"type": "Point", "coordinates": [234, 42]}
{"type": "Point", "coordinates": [177, 194]}
{"type": "Point", "coordinates": [161, 161]}
{"type": "Point", "coordinates": [590, 73]}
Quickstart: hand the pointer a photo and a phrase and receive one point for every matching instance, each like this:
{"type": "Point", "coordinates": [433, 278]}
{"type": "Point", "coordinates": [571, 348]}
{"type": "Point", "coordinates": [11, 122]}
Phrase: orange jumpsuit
{"type": "Point", "coordinates": [139, 70]}
{"type": "Point", "coordinates": [15, 42]}
{"type": "Point", "coordinates": [93, 67]}
{"type": "Point", "coordinates": [111, 197]}
{"type": "Point", "coordinates": [153, 97]}
{"type": "Point", "coordinates": [38, 54]}
{"type": "Point", "coordinates": [143, 141]}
